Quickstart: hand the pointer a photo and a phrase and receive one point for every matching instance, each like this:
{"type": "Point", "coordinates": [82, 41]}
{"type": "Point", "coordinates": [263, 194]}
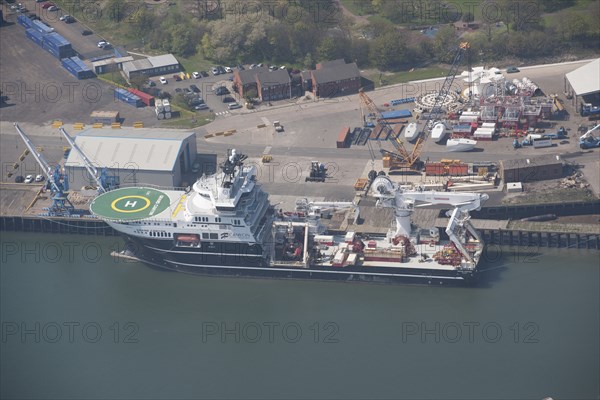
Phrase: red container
{"type": "Point", "coordinates": [145, 97]}
{"type": "Point", "coordinates": [342, 140]}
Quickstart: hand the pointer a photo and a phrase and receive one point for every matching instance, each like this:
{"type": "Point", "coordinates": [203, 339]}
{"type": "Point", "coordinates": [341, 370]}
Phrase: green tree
{"type": "Point", "coordinates": [327, 49]}
{"type": "Point", "coordinates": [388, 51]}
{"type": "Point", "coordinates": [445, 43]}
{"type": "Point", "coordinates": [308, 62]}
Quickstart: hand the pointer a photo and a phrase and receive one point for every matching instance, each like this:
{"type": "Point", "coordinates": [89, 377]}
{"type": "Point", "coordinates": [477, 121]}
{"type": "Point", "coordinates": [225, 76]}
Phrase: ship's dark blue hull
{"type": "Point", "coordinates": [249, 264]}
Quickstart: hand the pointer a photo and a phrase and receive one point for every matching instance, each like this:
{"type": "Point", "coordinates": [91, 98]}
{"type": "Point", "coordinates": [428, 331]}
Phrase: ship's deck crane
{"type": "Point", "coordinates": [57, 181]}
{"type": "Point", "coordinates": [458, 228]}
{"type": "Point", "coordinates": [102, 179]}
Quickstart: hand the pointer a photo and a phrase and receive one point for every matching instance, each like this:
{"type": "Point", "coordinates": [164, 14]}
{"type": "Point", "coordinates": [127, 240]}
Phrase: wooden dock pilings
{"type": "Point", "coordinates": [541, 239]}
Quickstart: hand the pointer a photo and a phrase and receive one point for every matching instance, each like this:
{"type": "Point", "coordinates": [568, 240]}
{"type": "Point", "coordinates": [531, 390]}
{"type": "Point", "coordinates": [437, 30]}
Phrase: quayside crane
{"type": "Point", "coordinates": [436, 110]}
{"type": "Point", "coordinates": [102, 179]}
{"type": "Point", "coordinates": [459, 228]}
{"type": "Point", "coordinates": [58, 183]}
{"type": "Point", "coordinates": [402, 158]}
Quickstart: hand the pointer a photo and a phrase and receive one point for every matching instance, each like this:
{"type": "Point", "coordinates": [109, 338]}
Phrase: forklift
{"type": "Point", "coordinates": [318, 172]}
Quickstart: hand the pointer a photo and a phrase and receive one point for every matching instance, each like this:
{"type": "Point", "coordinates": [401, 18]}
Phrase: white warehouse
{"type": "Point", "coordinates": [136, 156]}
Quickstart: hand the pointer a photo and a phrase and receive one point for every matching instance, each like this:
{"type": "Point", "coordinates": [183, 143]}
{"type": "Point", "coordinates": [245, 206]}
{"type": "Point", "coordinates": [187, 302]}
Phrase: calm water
{"type": "Point", "coordinates": [77, 324]}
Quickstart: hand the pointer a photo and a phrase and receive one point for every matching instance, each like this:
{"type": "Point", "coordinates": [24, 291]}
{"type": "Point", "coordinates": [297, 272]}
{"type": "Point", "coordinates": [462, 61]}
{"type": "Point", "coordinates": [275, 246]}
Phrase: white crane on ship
{"type": "Point", "coordinates": [458, 228]}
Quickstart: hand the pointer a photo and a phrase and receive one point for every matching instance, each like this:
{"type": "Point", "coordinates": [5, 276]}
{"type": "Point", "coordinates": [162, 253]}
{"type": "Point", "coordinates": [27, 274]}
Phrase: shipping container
{"type": "Point", "coordinates": [104, 117]}
{"type": "Point", "coordinates": [41, 27]}
{"type": "Point", "coordinates": [539, 143]}
{"type": "Point", "coordinates": [77, 68]}
{"type": "Point", "coordinates": [24, 21]}
{"type": "Point", "coordinates": [396, 114]}
{"type": "Point", "coordinates": [35, 36]}
{"type": "Point", "coordinates": [438, 169]}
{"type": "Point", "coordinates": [129, 98]}
{"type": "Point", "coordinates": [58, 46]}
{"type": "Point", "coordinates": [145, 97]}
{"type": "Point", "coordinates": [466, 128]}
{"type": "Point", "coordinates": [343, 136]}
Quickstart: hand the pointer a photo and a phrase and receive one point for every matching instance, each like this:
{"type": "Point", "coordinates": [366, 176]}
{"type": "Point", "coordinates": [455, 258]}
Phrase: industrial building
{"type": "Point", "coordinates": [136, 156]}
{"type": "Point", "coordinates": [583, 84]}
{"type": "Point", "coordinates": [152, 66]}
{"type": "Point", "coordinates": [531, 169]}
{"type": "Point", "coordinates": [110, 65]}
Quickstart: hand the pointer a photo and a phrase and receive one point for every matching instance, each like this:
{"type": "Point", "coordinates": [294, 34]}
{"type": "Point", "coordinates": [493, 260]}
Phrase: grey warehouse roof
{"type": "Point", "coordinates": [143, 149]}
{"type": "Point", "coordinates": [150, 62]}
{"type": "Point", "coordinates": [586, 79]}
{"type": "Point", "coordinates": [336, 72]}
{"type": "Point", "coordinates": [547, 159]}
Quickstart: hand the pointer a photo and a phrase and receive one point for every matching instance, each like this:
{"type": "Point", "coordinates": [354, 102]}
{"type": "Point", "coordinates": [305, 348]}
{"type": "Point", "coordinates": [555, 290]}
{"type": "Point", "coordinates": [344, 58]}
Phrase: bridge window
{"type": "Point", "coordinates": [204, 235]}
{"type": "Point", "coordinates": [214, 236]}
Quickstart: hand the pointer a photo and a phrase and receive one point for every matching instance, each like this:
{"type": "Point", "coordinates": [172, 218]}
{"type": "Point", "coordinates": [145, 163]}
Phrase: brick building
{"type": "Point", "coordinates": [269, 85]}
{"type": "Point", "coordinates": [335, 78]}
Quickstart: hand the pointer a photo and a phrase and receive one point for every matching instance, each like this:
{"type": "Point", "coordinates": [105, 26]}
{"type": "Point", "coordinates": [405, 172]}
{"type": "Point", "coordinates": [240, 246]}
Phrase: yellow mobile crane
{"type": "Point", "coordinates": [402, 159]}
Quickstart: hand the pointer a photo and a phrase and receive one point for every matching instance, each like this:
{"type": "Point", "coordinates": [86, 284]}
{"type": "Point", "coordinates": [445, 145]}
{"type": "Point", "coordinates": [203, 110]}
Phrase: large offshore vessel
{"type": "Point", "coordinates": [224, 224]}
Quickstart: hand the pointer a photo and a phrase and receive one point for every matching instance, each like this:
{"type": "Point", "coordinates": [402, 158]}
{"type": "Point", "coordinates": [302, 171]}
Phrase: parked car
{"type": "Point", "coordinates": [221, 90]}
{"type": "Point", "coordinates": [151, 83]}
{"type": "Point", "coordinates": [19, 179]}
{"type": "Point", "coordinates": [240, 67]}
{"type": "Point", "coordinates": [53, 8]}
{"type": "Point", "coordinates": [195, 88]}
{"type": "Point", "coordinates": [215, 71]}
{"type": "Point", "coordinates": [102, 44]}
{"type": "Point", "coordinates": [228, 70]}
{"type": "Point", "coordinates": [163, 80]}
{"type": "Point", "coordinates": [201, 107]}
{"type": "Point", "coordinates": [204, 73]}
{"type": "Point", "coordinates": [68, 19]}
{"type": "Point", "coordinates": [28, 179]}
{"type": "Point", "coordinates": [40, 1]}
{"type": "Point", "coordinates": [86, 32]}
{"type": "Point", "coordinates": [228, 99]}
{"type": "Point", "coordinates": [512, 70]}
{"type": "Point", "coordinates": [47, 5]}
{"type": "Point", "coordinates": [221, 70]}
{"type": "Point", "coordinates": [39, 178]}
{"type": "Point", "coordinates": [234, 106]}
{"type": "Point", "coordinates": [177, 77]}
{"type": "Point", "coordinates": [196, 75]}
{"type": "Point", "coordinates": [178, 90]}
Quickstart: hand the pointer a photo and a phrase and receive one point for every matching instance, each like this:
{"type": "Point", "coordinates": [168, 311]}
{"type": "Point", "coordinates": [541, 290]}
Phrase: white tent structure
{"type": "Point", "coordinates": [583, 81]}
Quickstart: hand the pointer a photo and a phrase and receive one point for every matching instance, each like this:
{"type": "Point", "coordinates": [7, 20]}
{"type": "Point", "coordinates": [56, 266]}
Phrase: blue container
{"type": "Point", "coordinates": [77, 68]}
{"type": "Point", "coordinates": [396, 114]}
{"type": "Point", "coordinates": [128, 97]}
{"type": "Point", "coordinates": [41, 27]}
{"type": "Point", "coordinates": [58, 46]}
{"type": "Point", "coordinates": [35, 36]}
{"type": "Point", "coordinates": [25, 21]}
